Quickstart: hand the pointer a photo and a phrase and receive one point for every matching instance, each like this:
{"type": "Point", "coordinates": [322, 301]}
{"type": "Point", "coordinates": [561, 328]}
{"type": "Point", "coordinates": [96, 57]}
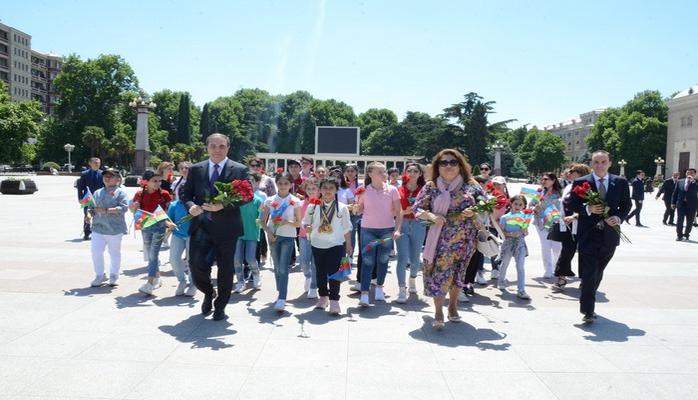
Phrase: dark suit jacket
{"type": "Point", "coordinates": [226, 223]}
{"type": "Point", "coordinates": [89, 179]}
{"type": "Point", "coordinates": [618, 200]}
{"type": "Point", "coordinates": [685, 199]}
{"type": "Point", "coordinates": [667, 189]}
{"type": "Point", "coordinates": [638, 189]}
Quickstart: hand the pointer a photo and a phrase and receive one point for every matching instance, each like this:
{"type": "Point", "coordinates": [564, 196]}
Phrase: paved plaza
{"type": "Point", "coordinates": [61, 339]}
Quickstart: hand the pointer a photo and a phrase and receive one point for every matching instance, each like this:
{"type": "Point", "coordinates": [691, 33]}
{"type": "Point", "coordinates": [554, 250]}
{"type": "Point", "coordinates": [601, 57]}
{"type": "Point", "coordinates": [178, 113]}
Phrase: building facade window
{"type": "Point", "coordinates": [689, 121]}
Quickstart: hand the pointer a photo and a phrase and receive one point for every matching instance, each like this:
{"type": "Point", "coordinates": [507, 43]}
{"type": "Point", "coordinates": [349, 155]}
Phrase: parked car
{"type": "Point", "coordinates": [5, 168]}
{"type": "Point", "coordinates": [68, 167]}
{"type": "Point", "coordinates": [23, 168]}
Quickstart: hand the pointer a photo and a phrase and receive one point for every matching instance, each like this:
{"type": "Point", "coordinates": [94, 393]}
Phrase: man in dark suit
{"type": "Point", "coordinates": [92, 179]}
{"type": "Point", "coordinates": [667, 190]}
{"type": "Point", "coordinates": [638, 196]}
{"type": "Point", "coordinates": [216, 228]}
{"type": "Point", "coordinates": [597, 240]}
{"type": "Point", "coordinates": [685, 201]}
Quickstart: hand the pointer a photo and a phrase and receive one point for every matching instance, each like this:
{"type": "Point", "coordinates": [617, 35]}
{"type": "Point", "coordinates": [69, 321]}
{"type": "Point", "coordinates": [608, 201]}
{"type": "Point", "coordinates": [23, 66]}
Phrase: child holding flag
{"type": "Point", "coordinates": [152, 201]}
{"type": "Point", "coordinates": [545, 213]}
{"type": "Point", "coordinates": [108, 205]}
{"type": "Point", "coordinates": [179, 245]}
{"type": "Point", "coordinates": [328, 223]}
{"type": "Point", "coordinates": [305, 252]}
{"type": "Point", "coordinates": [515, 224]}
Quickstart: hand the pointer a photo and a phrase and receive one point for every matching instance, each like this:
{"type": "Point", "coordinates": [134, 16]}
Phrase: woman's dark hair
{"type": "Point", "coordinates": [256, 176]}
{"type": "Point", "coordinates": [393, 170]}
{"type": "Point", "coordinates": [465, 169]}
{"type": "Point", "coordinates": [339, 176]}
{"type": "Point", "coordinates": [518, 197]}
{"type": "Point", "coordinates": [420, 181]}
{"type": "Point", "coordinates": [334, 181]}
{"type": "Point", "coordinates": [557, 187]}
{"type": "Point", "coordinates": [283, 175]}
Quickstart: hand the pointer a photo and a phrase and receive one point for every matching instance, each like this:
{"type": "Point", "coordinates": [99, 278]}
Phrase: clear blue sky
{"type": "Point", "coordinates": [541, 61]}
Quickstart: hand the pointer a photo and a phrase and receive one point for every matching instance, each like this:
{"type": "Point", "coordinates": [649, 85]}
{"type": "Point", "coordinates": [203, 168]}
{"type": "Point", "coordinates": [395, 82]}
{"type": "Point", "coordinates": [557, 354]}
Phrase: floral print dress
{"type": "Point", "coordinates": [457, 242]}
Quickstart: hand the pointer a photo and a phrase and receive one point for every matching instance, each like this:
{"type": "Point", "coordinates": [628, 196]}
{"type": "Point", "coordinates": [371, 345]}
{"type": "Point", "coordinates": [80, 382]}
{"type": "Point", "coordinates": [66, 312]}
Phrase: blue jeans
{"type": "Point", "coordinates": [409, 248]}
{"type": "Point", "coordinates": [245, 250]}
{"type": "Point", "coordinates": [152, 240]}
{"type": "Point", "coordinates": [307, 261]}
{"type": "Point", "coordinates": [377, 257]}
{"type": "Point", "coordinates": [513, 248]}
{"type": "Point", "coordinates": [178, 245]}
{"type": "Point", "coordinates": [281, 256]}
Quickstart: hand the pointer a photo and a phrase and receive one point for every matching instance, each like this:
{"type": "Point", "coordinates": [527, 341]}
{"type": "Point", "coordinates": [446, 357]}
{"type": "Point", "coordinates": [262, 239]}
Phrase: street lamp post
{"type": "Point", "coordinates": [142, 107]}
{"type": "Point", "coordinates": [498, 147]}
{"type": "Point", "coordinates": [659, 161]}
{"type": "Point", "coordinates": [69, 148]}
{"type": "Point", "coordinates": [622, 164]}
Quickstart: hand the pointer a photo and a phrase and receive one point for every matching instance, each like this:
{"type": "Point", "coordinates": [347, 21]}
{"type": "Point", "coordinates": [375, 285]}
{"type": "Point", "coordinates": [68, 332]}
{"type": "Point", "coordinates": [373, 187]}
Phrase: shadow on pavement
{"type": "Point", "coordinates": [89, 291]}
{"type": "Point", "coordinates": [201, 333]}
{"type": "Point", "coordinates": [606, 330]}
{"type": "Point", "coordinates": [460, 334]}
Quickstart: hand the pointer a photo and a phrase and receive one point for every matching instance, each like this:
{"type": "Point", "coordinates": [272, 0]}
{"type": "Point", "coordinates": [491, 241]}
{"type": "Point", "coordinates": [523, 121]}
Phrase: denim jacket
{"type": "Point", "coordinates": [110, 224]}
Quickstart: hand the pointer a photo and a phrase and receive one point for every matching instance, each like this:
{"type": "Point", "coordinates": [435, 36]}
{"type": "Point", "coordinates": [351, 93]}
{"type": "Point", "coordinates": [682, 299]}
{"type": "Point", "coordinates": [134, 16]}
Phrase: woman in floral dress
{"type": "Point", "coordinates": [444, 201]}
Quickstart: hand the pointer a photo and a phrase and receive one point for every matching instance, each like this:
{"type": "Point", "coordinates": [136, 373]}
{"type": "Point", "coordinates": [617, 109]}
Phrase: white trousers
{"type": "Point", "coordinates": [550, 251]}
{"type": "Point", "coordinates": [113, 244]}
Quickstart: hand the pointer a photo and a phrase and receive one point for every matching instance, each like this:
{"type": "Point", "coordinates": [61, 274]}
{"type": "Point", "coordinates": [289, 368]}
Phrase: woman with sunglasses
{"type": "Point", "coordinates": [485, 171]}
{"type": "Point", "coordinates": [409, 245]}
{"type": "Point", "coordinates": [552, 195]}
{"type": "Point", "coordinates": [445, 202]}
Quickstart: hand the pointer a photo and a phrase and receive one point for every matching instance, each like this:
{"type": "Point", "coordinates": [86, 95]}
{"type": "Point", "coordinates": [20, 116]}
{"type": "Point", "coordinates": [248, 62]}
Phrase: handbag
{"type": "Point", "coordinates": [487, 243]}
{"type": "Point", "coordinates": [555, 234]}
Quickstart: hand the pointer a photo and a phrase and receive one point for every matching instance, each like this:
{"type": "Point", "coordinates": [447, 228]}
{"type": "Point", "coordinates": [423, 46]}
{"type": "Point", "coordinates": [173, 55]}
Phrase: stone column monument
{"type": "Point", "coordinates": [142, 107]}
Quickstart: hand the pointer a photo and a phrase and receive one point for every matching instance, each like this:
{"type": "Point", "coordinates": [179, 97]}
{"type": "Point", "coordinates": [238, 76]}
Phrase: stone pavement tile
{"type": "Point", "coordinates": [316, 353]}
{"type": "Point", "coordinates": [458, 358]}
{"type": "Point", "coordinates": [231, 352]}
{"type": "Point", "coordinates": [16, 373]}
{"type": "Point", "coordinates": [397, 357]}
{"type": "Point", "coordinates": [537, 333]}
{"type": "Point", "coordinates": [647, 359]}
{"type": "Point", "coordinates": [120, 347]}
{"type": "Point", "coordinates": [55, 345]}
{"type": "Point", "coordinates": [370, 326]}
{"type": "Point", "coordinates": [677, 335]}
{"type": "Point", "coordinates": [313, 324]}
{"type": "Point", "coordinates": [28, 311]}
{"type": "Point", "coordinates": [301, 380]}
{"type": "Point", "coordinates": [7, 335]}
{"type": "Point", "coordinates": [609, 332]}
{"type": "Point", "coordinates": [669, 386]}
{"type": "Point", "coordinates": [209, 331]}
{"type": "Point", "coordinates": [50, 397]}
{"type": "Point", "coordinates": [178, 382]}
{"type": "Point", "coordinates": [585, 386]}
{"type": "Point", "coordinates": [74, 378]}
{"type": "Point", "coordinates": [564, 358]}
{"type": "Point", "coordinates": [496, 386]}
{"type": "Point", "coordinates": [368, 383]}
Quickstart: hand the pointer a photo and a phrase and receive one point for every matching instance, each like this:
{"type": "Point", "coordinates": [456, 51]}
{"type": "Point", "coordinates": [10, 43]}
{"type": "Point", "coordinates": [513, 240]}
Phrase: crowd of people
{"type": "Point", "coordinates": [327, 221]}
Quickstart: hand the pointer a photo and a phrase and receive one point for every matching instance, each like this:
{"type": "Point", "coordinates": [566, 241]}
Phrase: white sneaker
{"type": "Point", "coordinates": [402, 296]}
{"type": "Point", "coordinates": [380, 295]}
{"type": "Point", "coordinates": [363, 300]}
{"type": "Point", "coordinates": [99, 281]}
{"type": "Point", "coordinates": [494, 275]}
{"type": "Point", "coordinates": [523, 295]}
{"type": "Point", "coordinates": [280, 305]}
{"type": "Point", "coordinates": [239, 287]}
{"type": "Point", "coordinates": [312, 293]}
{"type": "Point", "coordinates": [547, 275]}
{"type": "Point", "coordinates": [306, 286]}
{"type": "Point", "coordinates": [157, 283]}
{"type": "Point", "coordinates": [374, 282]}
{"type": "Point", "coordinates": [191, 290]}
{"type": "Point", "coordinates": [356, 287]}
{"type": "Point", "coordinates": [501, 285]}
{"type": "Point", "coordinates": [413, 285]}
{"type": "Point", "coordinates": [256, 281]}
{"type": "Point", "coordinates": [147, 288]}
{"type": "Point", "coordinates": [113, 280]}
{"type": "Point", "coordinates": [480, 279]}
{"type": "Point", "coordinates": [335, 309]}
{"type": "Point", "coordinates": [463, 298]}
{"type": "Point", "coordinates": [181, 287]}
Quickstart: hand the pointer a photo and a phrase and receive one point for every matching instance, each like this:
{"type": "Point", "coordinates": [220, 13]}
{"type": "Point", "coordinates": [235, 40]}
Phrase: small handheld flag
{"type": "Point", "coordinates": [533, 194]}
{"type": "Point", "coordinates": [374, 243]}
{"type": "Point", "coordinates": [550, 216]}
{"type": "Point", "coordinates": [343, 272]}
{"type": "Point", "coordinates": [87, 200]}
{"type": "Point", "coordinates": [158, 215]}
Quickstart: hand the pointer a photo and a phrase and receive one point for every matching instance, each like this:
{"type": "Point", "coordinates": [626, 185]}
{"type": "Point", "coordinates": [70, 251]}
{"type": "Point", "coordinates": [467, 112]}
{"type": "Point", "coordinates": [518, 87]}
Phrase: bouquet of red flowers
{"type": "Point", "coordinates": [593, 198]}
{"type": "Point", "coordinates": [234, 193]}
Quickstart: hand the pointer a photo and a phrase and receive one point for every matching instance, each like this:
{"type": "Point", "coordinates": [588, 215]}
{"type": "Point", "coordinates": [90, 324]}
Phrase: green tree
{"type": "Point", "coordinates": [19, 122]}
{"type": "Point", "coordinates": [430, 132]}
{"type": "Point", "coordinates": [95, 139]}
{"type": "Point", "coordinates": [548, 153]}
{"type": "Point", "coordinates": [292, 121]}
{"type": "Point", "coordinates": [518, 170]}
{"type": "Point", "coordinates": [167, 111]}
{"type": "Point", "coordinates": [376, 118]}
{"type": "Point", "coordinates": [183, 120]}
{"type": "Point", "coordinates": [323, 113]}
{"type": "Point", "coordinates": [204, 124]}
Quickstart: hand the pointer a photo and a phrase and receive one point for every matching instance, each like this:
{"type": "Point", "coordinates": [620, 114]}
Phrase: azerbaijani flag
{"type": "Point", "coordinates": [158, 215]}
{"type": "Point", "coordinates": [343, 272]}
{"type": "Point", "coordinates": [550, 216]}
{"type": "Point", "coordinates": [87, 200]}
{"type": "Point", "coordinates": [532, 193]}
{"type": "Point", "coordinates": [139, 218]}
{"type": "Point", "coordinates": [519, 220]}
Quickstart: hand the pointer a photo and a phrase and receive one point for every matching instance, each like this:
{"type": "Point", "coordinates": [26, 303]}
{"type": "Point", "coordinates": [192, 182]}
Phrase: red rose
{"type": "Point", "coordinates": [359, 191]}
{"type": "Point", "coordinates": [528, 211]}
{"type": "Point", "coordinates": [314, 201]}
{"type": "Point", "coordinates": [291, 203]}
{"type": "Point", "coordinates": [405, 178]}
{"type": "Point", "coordinates": [274, 204]}
{"type": "Point", "coordinates": [279, 170]}
{"type": "Point", "coordinates": [276, 220]}
{"type": "Point", "coordinates": [489, 186]}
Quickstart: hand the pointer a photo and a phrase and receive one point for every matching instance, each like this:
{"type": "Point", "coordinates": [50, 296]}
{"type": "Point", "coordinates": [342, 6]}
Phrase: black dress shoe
{"type": "Point", "coordinates": [207, 304]}
{"type": "Point", "coordinates": [671, 223]}
{"type": "Point", "coordinates": [588, 318]}
{"type": "Point", "coordinates": [686, 236]}
{"type": "Point", "coordinates": [640, 225]}
{"type": "Point", "coordinates": [86, 237]}
{"type": "Point", "coordinates": [219, 316]}
{"type": "Point", "coordinates": [678, 239]}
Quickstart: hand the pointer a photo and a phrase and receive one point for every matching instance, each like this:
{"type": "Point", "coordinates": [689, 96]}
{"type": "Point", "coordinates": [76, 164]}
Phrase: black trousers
{"type": "Point", "coordinates": [592, 262]}
{"type": "Point", "coordinates": [201, 245]}
{"type": "Point", "coordinates": [476, 262]}
{"type": "Point", "coordinates": [636, 212]}
{"type": "Point", "coordinates": [687, 216]}
{"type": "Point", "coordinates": [86, 227]}
{"type": "Point", "coordinates": [262, 246]}
{"type": "Point", "coordinates": [327, 263]}
{"type": "Point", "coordinates": [563, 267]}
{"type": "Point", "coordinates": [668, 212]}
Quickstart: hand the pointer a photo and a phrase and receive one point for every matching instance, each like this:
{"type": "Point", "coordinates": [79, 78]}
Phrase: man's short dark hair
{"type": "Point", "coordinates": [639, 171]}
{"type": "Point", "coordinates": [604, 152]}
{"type": "Point", "coordinates": [691, 169]}
{"type": "Point", "coordinates": [219, 136]}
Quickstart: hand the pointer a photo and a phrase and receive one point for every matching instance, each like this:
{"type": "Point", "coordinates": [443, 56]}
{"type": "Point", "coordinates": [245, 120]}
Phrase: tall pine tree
{"type": "Point", "coordinates": [205, 124]}
{"type": "Point", "coordinates": [183, 125]}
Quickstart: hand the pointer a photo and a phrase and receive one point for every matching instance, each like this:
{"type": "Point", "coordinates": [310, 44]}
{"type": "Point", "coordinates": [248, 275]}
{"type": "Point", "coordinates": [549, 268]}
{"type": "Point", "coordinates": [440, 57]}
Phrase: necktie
{"type": "Point", "coordinates": [214, 177]}
{"type": "Point", "coordinates": [602, 188]}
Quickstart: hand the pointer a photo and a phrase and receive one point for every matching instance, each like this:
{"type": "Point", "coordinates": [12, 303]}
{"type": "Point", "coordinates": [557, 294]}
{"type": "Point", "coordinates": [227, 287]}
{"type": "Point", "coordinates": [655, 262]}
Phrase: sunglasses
{"type": "Point", "coordinates": [416, 171]}
{"type": "Point", "coordinates": [255, 165]}
{"type": "Point", "coordinates": [544, 179]}
{"type": "Point", "coordinates": [446, 163]}
{"type": "Point", "coordinates": [484, 169]}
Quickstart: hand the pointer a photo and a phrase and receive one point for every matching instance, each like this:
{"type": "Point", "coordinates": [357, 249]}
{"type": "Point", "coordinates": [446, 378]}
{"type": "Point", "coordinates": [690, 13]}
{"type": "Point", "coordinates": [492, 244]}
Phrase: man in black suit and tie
{"type": "Point", "coordinates": [638, 196]}
{"type": "Point", "coordinates": [215, 228]}
{"type": "Point", "coordinates": [666, 191]}
{"type": "Point", "coordinates": [685, 201]}
{"type": "Point", "coordinates": [597, 240]}
{"type": "Point", "coordinates": [89, 179]}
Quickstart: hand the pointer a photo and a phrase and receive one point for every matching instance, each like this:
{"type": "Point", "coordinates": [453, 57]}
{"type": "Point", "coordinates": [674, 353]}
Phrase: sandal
{"type": "Point", "coordinates": [454, 318]}
{"type": "Point", "coordinates": [560, 284]}
{"type": "Point", "coordinates": [437, 325]}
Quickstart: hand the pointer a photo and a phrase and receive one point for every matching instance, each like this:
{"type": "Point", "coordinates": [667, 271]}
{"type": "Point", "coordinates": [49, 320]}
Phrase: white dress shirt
{"type": "Point", "coordinates": [211, 167]}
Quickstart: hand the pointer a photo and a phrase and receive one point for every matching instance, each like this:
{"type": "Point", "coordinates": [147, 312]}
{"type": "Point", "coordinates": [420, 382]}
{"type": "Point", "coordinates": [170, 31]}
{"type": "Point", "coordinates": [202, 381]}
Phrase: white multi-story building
{"type": "Point", "coordinates": [574, 132]}
{"type": "Point", "coordinates": [682, 131]}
